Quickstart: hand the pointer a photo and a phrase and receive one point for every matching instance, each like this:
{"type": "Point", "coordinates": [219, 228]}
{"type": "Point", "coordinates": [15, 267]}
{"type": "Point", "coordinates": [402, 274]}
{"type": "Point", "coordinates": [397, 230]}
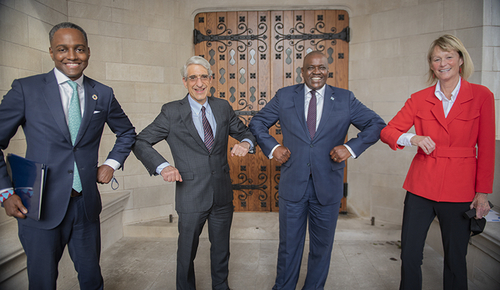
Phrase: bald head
{"type": "Point", "coordinates": [315, 70]}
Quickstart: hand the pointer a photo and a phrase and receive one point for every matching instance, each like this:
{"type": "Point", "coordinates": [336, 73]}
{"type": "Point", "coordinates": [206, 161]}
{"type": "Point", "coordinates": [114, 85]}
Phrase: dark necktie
{"type": "Point", "coordinates": [207, 130]}
{"type": "Point", "coordinates": [311, 115]}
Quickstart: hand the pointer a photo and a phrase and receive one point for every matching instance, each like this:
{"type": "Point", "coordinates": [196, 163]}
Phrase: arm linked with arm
{"type": "Point", "coordinates": [400, 123]}
{"type": "Point", "coordinates": [119, 124]}
{"type": "Point", "coordinates": [240, 132]}
{"type": "Point", "coordinates": [143, 148]}
{"type": "Point", "coordinates": [368, 122]}
{"type": "Point", "coordinates": [262, 121]}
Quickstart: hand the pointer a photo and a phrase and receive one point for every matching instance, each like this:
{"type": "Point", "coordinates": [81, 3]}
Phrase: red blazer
{"type": "Point", "coordinates": [455, 170]}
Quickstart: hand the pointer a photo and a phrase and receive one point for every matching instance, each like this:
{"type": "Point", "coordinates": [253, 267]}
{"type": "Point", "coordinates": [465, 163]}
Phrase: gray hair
{"type": "Point", "coordinates": [196, 60]}
{"type": "Point", "coordinates": [66, 25]}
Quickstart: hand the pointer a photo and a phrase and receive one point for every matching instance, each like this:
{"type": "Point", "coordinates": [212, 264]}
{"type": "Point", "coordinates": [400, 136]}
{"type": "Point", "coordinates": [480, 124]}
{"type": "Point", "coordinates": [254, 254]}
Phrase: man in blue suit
{"type": "Point", "coordinates": [314, 120]}
{"type": "Point", "coordinates": [63, 114]}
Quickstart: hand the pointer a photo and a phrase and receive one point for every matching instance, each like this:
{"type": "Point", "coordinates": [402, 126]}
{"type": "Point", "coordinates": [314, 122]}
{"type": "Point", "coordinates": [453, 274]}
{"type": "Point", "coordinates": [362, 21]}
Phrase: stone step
{"type": "Point", "coordinates": [265, 226]}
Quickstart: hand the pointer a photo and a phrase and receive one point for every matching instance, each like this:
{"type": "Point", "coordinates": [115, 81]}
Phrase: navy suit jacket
{"type": "Point", "coordinates": [340, 110]}
{"type": "Point", "coordinates": [35, 104]}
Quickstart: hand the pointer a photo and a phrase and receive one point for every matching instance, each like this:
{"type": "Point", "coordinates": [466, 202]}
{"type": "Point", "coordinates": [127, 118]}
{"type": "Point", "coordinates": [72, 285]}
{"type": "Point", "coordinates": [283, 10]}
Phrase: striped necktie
{"type": "Point", "coordinates": [207, 130]}
{"type": "Point", "coordinates": [311, 115]}
{"type": "Point", "coordinates": [74, 121]}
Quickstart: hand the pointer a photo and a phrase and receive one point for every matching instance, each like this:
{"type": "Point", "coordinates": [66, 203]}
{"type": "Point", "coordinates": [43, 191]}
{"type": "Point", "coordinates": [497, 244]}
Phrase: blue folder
{"type": "Point", "coordinates": [28, 178]}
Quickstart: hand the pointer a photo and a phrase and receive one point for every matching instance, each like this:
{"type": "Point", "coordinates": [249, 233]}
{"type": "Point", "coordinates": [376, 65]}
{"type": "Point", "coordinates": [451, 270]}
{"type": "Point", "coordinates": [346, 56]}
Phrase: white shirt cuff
{"type": "Point", "coordinates": [161, 167]}
{"type": "Point", "coordinates": [112, 163]}
{"type": "Point", "coordinates": [405, 139]}
{"type": "Point", "coordinates": [270, 156]}
{"type": "Point", "coordinates": [353, 155]}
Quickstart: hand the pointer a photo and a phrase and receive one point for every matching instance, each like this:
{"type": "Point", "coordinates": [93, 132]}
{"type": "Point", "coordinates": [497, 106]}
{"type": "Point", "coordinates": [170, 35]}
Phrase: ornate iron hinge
{"type": "Point", "coordinates": [296, 37]}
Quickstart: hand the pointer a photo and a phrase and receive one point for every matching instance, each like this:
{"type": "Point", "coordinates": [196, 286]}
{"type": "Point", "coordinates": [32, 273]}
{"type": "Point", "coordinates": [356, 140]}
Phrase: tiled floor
{"type": "Point", "coordinates": [364, 257]}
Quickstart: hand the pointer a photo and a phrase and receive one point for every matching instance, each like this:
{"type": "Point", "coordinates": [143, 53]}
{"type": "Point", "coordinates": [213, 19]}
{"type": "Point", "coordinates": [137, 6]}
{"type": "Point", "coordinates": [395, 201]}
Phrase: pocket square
{"type": "Point", "coordinates": [97, 112]}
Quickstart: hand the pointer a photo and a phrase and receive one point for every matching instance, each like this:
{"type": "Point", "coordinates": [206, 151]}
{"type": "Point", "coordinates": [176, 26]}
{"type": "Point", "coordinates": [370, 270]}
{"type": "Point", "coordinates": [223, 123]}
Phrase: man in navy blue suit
{"type": "Point", "coordinates": [63, 114]}
{"type": "Point", "coordinates": [314, 119]}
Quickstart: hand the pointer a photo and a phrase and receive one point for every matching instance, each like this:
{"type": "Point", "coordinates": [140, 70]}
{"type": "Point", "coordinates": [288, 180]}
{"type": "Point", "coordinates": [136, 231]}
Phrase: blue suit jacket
{"type": "Point", "coordinates": [340, 110]}
{"type": "Point", "coordinates": [35, 104]}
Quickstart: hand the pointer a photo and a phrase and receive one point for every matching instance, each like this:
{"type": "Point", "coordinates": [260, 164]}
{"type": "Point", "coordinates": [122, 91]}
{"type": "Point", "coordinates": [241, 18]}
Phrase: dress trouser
{"type": "Point", "coordinates": [455, 233]}
{"type": "Point", "coordinates": [190, 227]}
{"type": "Point", "coordinates": [44, 249]}
{"type": "Point", "coordinates": [293, 218]}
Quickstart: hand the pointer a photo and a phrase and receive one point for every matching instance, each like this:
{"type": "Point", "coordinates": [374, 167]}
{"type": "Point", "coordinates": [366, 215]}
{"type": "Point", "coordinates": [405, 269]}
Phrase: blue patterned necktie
{"type": "Point", "coordinates": [311, 115]}
{"type": "Point", "coordinates": [207, 130]}
{"type": "Point", "coordinates": [74, 121]}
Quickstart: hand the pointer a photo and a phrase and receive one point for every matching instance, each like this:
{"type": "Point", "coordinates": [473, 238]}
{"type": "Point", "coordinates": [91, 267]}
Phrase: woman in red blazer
{"type": "Point", "coordinates": [452, 171]}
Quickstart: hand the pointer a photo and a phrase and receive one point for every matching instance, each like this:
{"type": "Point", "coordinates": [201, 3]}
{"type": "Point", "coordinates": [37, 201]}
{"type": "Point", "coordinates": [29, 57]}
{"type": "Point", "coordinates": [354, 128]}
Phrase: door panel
{"type": "Point", "coordinates": [255, 53]}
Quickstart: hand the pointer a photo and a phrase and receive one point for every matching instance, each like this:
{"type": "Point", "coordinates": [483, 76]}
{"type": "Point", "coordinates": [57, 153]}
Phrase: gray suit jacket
{"type": "Point", "coordinates": [205, 174]}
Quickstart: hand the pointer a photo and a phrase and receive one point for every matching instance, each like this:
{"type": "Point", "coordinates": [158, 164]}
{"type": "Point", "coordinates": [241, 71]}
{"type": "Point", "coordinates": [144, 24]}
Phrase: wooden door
{"type": "Point", "coordinates": [255, 53]}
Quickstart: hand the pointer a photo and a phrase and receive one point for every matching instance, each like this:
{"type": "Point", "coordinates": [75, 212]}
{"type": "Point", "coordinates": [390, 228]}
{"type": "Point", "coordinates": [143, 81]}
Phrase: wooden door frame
{"type": "Point", "coordinates": [215, 33]}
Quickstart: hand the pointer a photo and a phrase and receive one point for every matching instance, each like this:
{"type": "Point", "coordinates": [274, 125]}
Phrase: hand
{"type": "Point", "coordinates": [240, 149]}
{"type": "Point", "coordinates": [339, 153]}
{"type": "Point", "coordinates": [281, 154]}
{"type": "Point", "coordinates": [480, 203]}
{"type": "Point", "coordinates": [104, 174]}
{"type": "Point", "coordinates": [14, 207]}
{"type": "Point", "coordinates": [171, 174]}
{"type": "Point", "coordinates": [424, 142]}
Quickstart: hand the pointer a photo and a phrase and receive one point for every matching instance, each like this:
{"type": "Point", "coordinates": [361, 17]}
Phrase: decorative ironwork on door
{"type": "Point", "coordinates": [255, 53]}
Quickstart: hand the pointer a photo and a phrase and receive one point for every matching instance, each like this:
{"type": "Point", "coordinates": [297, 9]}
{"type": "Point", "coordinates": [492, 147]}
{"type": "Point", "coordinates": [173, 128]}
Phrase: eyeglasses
{"type": "Point", "coordinates": [194, 78]}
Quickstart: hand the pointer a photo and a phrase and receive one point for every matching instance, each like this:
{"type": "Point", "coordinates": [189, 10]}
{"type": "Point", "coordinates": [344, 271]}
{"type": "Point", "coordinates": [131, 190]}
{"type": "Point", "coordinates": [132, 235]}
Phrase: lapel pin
{"type": "Point", "coordinates": [332, 98]}
{"type": "Point", "coordinates": [94, 97]}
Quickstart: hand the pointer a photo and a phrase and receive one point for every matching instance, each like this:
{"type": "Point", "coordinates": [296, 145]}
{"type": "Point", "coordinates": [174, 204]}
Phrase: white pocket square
{"type": "Point", "coordinates": [97, 112]}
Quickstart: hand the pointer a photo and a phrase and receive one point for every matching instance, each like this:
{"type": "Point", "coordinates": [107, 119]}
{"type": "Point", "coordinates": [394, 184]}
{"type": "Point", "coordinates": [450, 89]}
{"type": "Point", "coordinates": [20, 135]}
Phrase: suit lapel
{"type": "Point", "coordinates": [437, 110]}
{"type": "Point", "coordinates": [299, 101]}
{"type": "Point", "coordinates": [218, 114]}
{"type": "Point", "coordinates": [464, 95]}
{"type": "Point", "coordinates": [328, 102]}
{"type": "Point", "coordinates": [187, 119]}
{"type": "Point", "coordinates": [91, 98]}
{"type": "Point", "coordinates": [53, 99]}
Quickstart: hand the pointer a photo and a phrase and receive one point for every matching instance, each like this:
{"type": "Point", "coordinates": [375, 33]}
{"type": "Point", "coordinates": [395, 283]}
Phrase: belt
{"type": "Point", "coordinates": [75, 193]}
{"type": "Point", "coordinates": [454, 152]}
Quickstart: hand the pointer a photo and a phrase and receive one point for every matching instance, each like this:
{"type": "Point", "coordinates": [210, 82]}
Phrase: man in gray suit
{"type": "Point", "coordinates": [197, 129]}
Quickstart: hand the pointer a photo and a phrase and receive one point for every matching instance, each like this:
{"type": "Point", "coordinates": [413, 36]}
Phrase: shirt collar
{"type": "Point", "coordinates": [195, 106]}
{"type": "Point", "coordinates": [62, 78]}
{"type": "Point", "coordinates": [320, 92]}
{"type": "Point", "coordinates": [440, 95]}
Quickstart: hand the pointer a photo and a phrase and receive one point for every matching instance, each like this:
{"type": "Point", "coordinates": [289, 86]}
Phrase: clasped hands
{"type": "Point", "coordinates": [337, 154]}
{"type": "Point", "coordinates": [171, 174]}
